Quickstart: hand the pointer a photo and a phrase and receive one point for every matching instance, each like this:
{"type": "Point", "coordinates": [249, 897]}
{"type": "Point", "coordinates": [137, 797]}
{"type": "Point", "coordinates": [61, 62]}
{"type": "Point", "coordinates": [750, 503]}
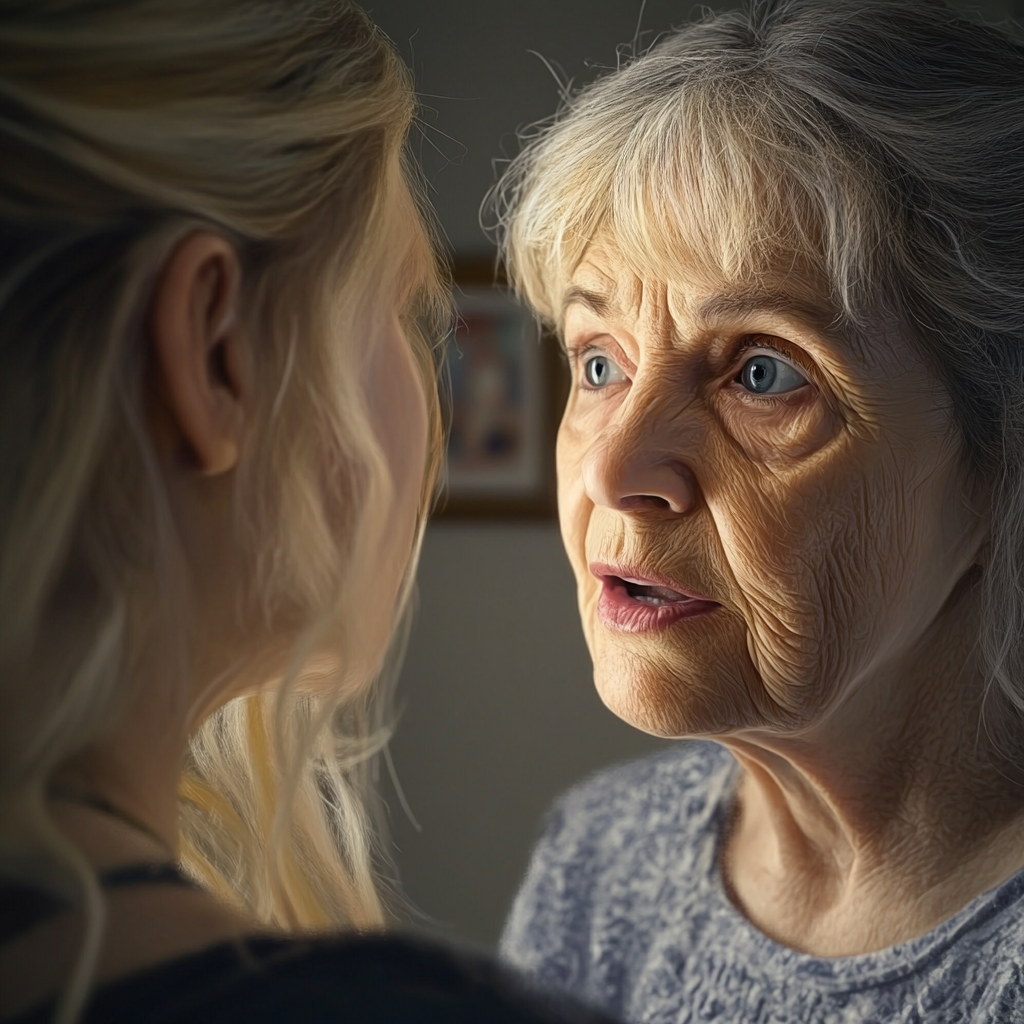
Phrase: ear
{"type": "Point", "coordinates": [201, 359]}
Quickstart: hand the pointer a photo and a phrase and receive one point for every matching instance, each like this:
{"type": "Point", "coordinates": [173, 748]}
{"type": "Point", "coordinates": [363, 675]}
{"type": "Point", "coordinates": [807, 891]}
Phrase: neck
{"type": "Point", "coordinates": [886, 817]}
{"type": "Point", "coordinates": [135, 770]}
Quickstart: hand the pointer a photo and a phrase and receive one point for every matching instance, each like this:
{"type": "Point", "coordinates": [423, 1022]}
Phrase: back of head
{"type": "Point", "coordinates": [877, 148]}
{"type": "Point", "coordinates": [126, 125]}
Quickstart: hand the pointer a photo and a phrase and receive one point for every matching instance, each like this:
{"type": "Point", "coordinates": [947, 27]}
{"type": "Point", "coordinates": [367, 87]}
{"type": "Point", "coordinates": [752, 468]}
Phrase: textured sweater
{"type": "Point", "coordinates": [624, 906]}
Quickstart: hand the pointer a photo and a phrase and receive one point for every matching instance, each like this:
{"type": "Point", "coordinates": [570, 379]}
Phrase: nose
{"type": "Point", "coordinates": [627, 474]}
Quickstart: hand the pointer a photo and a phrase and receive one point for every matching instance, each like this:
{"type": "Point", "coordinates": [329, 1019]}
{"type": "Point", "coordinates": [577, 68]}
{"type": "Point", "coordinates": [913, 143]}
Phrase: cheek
{"type": "Point", "coordinates": [777, 437]}
{"type": "Point", "coordinates": [399, 419]}
{"type": "Point", "coordinates": [574, 506]}
{"type": "Point", "coordinates": [409, 455]}
{"type": "Point", "coordinates": [400, 416]}
{"type": "Point", "coordinates": [812, 553]}
{"type": "Point", "coordinates": [575, 511]}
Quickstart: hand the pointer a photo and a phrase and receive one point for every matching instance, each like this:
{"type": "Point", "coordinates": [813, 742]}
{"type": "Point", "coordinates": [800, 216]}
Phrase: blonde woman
{"type": "Point", "coordinates": [219, 435]}
{"type": "Point", "coordinates": [785, 252]}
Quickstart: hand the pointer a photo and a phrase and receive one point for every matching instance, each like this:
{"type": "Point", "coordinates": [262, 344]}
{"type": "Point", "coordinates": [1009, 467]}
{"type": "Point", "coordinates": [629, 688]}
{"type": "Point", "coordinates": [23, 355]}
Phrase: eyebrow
{"type": "Point", "coordinates": [745, 303]}
{"type": "Point", "coordinates": [594, 301]}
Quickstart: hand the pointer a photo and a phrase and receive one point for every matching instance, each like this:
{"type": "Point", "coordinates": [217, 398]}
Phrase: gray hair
{"type": "Point", "coordinates": [880, 143]}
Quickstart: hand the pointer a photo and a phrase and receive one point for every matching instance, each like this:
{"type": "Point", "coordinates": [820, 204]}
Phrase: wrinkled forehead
{"type": "Point", "coordinates": [608, 283]}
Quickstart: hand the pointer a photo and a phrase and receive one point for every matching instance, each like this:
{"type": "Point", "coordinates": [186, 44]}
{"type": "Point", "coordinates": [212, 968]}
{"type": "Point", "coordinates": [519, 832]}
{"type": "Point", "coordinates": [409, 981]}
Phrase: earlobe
{"type": "Point", "coordinates": [200, 354]}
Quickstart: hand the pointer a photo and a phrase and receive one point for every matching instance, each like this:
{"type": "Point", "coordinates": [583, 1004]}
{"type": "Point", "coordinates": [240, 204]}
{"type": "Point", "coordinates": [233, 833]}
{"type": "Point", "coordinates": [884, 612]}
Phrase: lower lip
{"type": "Point", "coordinates": [618, 609]}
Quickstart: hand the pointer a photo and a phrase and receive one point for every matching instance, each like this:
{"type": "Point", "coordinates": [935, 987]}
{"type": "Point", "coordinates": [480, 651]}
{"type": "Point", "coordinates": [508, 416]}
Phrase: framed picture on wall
{"type": "Point", "coordinates": [507, 387]}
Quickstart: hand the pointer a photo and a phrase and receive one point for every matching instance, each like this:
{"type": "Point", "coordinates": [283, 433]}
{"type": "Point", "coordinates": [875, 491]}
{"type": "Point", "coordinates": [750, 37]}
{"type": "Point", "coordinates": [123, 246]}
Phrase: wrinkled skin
{"type": "Point", "coordinates": [832, 524]}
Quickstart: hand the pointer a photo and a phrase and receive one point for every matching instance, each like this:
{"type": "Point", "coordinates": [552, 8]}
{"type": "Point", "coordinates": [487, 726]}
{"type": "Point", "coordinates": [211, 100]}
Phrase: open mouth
{"type": "Point", "coordinates": [635, 603]}
{"type": "Point", "coordinates": [650, 595]}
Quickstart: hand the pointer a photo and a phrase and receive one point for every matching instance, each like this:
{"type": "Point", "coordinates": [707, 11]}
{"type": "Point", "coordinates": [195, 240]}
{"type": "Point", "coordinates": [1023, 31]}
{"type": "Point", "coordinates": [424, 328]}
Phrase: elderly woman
{"type": "Point", "coordinates": [785, 253]}
{"type": "Point", "coordinates": [219, 428]}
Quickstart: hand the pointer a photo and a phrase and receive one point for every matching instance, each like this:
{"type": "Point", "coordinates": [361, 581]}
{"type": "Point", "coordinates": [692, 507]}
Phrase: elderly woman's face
{"type": "Point", "coordinates": [759, 513]}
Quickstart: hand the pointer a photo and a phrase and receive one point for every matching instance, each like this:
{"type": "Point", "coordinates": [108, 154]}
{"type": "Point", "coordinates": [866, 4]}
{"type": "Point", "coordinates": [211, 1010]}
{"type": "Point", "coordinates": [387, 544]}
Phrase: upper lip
{"type": "Point", "coordinates": [646, 578]}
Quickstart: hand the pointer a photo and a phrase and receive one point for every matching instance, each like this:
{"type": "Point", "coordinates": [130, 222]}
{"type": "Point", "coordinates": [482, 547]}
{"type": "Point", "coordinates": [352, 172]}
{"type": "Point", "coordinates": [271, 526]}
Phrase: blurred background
{"type": "Point", "coordinates": [498, 710]}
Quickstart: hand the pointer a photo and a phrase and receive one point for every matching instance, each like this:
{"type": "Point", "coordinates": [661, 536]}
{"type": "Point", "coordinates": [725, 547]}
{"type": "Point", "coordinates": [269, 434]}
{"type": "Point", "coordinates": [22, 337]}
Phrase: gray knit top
{"type": "Point", "coordinates": [624, 905]}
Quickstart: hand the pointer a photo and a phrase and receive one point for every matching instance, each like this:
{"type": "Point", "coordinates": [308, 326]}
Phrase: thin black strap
{"type": "Point", "coordinates": [98, 802]}
{"type": "Point", "coordinates": [145, 874]}
{"type": "Point", "coordinates": [23, 906]}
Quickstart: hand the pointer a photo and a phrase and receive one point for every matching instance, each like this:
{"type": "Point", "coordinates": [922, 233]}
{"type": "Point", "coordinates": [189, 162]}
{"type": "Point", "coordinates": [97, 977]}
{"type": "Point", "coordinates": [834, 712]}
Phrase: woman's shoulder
{"type": "Point", "coordinates": [384, 979]}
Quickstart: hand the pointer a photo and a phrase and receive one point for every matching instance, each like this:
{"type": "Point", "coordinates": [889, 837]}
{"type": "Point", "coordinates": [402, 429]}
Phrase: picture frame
{"type": "Point", "coordinates": [507, 387]}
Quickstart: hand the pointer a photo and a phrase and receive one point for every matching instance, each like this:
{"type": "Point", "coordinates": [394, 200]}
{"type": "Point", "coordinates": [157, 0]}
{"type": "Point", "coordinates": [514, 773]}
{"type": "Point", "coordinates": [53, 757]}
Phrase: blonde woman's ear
{"type": "Point", "coordinates": [200, 355]}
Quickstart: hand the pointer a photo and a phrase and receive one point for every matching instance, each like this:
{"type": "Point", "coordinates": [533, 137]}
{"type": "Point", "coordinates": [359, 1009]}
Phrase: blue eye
{"type": "Point", "coordinates": [766, 375]}
{"type": "Point", "coordinates": [600, 371]}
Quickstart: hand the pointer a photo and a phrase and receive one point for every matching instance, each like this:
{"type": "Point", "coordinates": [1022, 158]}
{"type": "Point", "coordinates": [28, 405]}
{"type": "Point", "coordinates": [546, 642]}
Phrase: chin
{"type": "Point", "coordinates": [676, 693]}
